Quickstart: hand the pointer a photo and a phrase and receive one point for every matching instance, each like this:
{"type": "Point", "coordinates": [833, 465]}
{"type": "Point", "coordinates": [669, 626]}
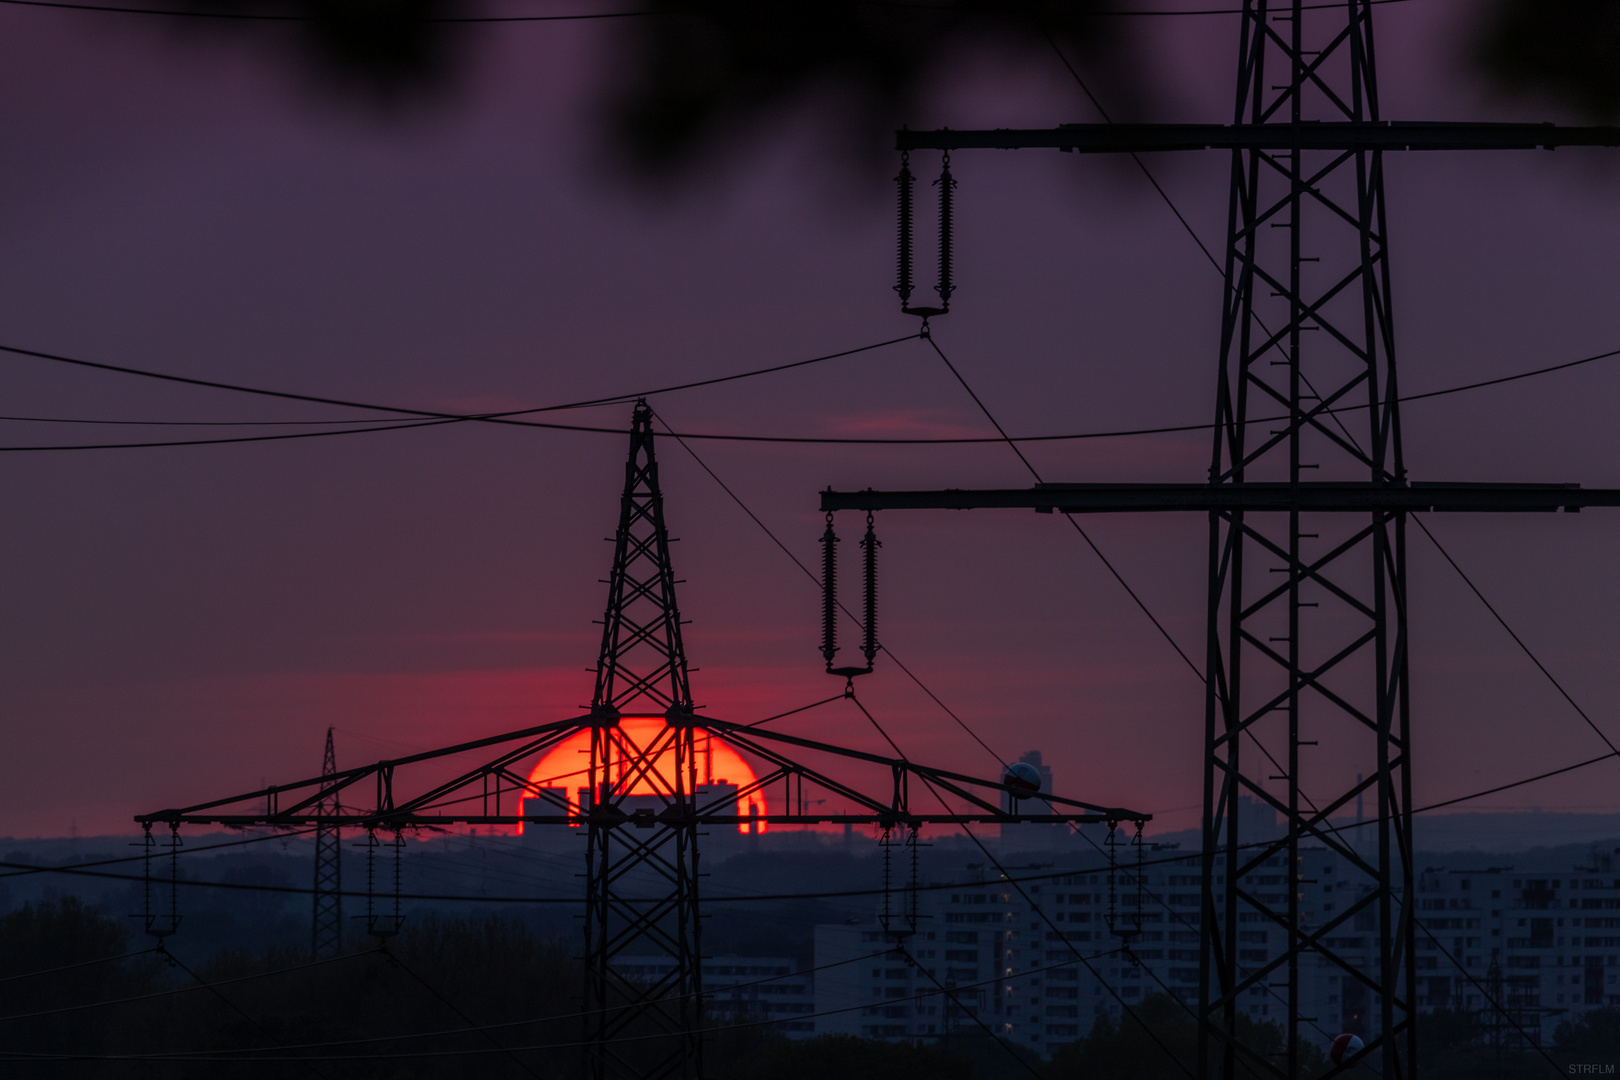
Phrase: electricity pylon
{"type": "Point", "coordinates": [326, 934]}
{"type": "Point", "coordinates": [1307, 613]}
{"type": "Point", "coordinates": [641, 883]}
{"type": "Point", "coordinates": [643, 810]}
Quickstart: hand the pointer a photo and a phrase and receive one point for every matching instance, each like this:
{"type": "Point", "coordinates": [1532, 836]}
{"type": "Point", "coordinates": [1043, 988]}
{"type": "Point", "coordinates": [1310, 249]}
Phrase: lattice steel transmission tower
{"type": "Point", "coordinates": [643, 806]}
{"type": "Point", "coordinates": [326, 929]}
{"type": "Point", "coordinates": [1306, 651]}
{"type": "Point", "coordinates": [1307, 643]}
{"type": "Point", "coordinates": [641, 882]}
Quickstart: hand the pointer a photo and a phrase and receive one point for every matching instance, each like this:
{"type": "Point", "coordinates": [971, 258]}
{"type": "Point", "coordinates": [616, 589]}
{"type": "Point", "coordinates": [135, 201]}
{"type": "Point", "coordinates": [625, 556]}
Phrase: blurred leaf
{"type": "Point", "coordinates": [692, 76]}
{"type": "Point", "coordinates": [389, 51]}
{"type": "Point", "coordinates": [1564, 50]}
{"type": "Point", "coordinates": [704, 72]}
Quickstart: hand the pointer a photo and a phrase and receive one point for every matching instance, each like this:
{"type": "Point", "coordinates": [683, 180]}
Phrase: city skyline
{"type": "Point", "coordinates": [187, 622]}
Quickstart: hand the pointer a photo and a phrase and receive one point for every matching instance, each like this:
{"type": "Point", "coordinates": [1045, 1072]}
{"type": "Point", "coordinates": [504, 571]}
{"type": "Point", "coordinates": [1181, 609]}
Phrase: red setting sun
{"type": "Point", "coordinates": [717, 764]}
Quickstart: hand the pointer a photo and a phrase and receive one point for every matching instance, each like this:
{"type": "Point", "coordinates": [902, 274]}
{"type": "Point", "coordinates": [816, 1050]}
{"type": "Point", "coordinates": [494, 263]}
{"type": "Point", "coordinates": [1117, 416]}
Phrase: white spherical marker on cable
{"type": "Point", "coordinates": [1023, 778]}
{"type": "Point", "coordinates": [1344, 1047]}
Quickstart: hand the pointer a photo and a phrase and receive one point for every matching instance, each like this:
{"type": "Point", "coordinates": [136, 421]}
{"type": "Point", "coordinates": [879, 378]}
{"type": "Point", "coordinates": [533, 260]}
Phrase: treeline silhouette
{"type": "Point", "coordinates": [83, 995]}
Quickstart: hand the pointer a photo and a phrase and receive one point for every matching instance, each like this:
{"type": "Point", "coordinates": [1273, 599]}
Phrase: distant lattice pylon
{"type": "Point", "coordinates": [326, 929]}
{"type": "Point", "coordinates": [641, 886]}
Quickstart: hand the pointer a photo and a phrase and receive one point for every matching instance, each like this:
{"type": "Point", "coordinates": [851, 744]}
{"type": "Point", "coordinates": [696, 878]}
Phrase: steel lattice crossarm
{"type": "Point", "coordinates": [481, 795]}
{"type": "Point", "coordinates": [1358, 497]}
{"type": "Point", "coordinates": [1325, 135]}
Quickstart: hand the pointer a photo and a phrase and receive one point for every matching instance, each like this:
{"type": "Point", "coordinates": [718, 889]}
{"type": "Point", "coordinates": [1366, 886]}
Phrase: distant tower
{"type": "Point", "coordinates": [641, 886]}
{"type": "Point", "coordinates": [326, 933]}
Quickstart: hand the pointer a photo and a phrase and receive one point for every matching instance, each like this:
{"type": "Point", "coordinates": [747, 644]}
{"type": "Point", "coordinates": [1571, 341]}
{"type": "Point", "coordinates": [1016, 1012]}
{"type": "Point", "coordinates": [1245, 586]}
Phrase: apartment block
{"type": "Point", "coordinates": [1041, 958]}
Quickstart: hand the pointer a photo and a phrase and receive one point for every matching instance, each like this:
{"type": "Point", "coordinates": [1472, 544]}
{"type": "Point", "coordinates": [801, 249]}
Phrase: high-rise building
{"type": "Point", "coordinates": [1523, 947]}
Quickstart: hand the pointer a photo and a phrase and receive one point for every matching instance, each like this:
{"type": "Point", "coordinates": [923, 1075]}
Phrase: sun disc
{"type": "Point", "coordinates": [566, 764]}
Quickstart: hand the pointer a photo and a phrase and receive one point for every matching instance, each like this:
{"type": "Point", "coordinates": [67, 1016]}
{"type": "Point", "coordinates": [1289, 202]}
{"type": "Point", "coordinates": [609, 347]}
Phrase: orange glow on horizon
{"type": "Point", "coordinates": [565, 766]}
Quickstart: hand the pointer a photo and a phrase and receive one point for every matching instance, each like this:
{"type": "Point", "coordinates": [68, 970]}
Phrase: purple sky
{"type": "Point", "coordinates": [181, 624]}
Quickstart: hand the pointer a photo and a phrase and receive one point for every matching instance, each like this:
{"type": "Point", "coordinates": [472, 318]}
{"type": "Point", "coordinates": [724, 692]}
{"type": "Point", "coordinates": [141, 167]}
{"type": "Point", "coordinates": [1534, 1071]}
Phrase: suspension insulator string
{"type": "Point", "coordinates": [911, 914]}
{"type": "Point", "coordinates": [946, 186]}
{"type": "Point", "coordinates": [147, 917]}
{"type": "Point", "coordinates": [829, 593]}
{"type": "Point", "coordinates": [906, 260]}
{"type": "Point", "coordinates": [870, 545]}
{"type": "Point", "coordinates": [174, 878]}
{"type": "Point", "coordinates": [1141, 879]}
{"type": "Point", "coordinates": [1112, 844]}
{"type": "Point", "coordinates": [371, 883]}
{"type": "Point", "coordinates": [906, 182]}
{"type": "Point", "coordinates": [888, 858]}
{"type": "Point", "coordinates": [399, 850]}
{"type": "Point", "coordinates": [829, 601]}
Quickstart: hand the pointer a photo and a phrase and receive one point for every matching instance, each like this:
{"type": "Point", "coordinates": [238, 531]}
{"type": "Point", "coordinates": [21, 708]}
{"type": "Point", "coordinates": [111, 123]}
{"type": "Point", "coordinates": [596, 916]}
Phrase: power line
{"type": "Point", "coordinates": [874, 722]}
{"type": "Point", "coordinates": [222, 441]}
{"type": "Point", "coordinates": [1070, 518]}
{"type": "Point", "coordinates": [184, 851]}
{"type": "Point", "coordinates": [287, 890]}
{"type": "Point", "coordinates": [509, 417]}
{"type": "Point", "coordinates": [178, 423]}
{"type": "Point", "coordinates": [1515, 784]}
{"type": "Point", "coordinates": [228, 1003]}
{"type": "Point", "coordinates": [948, 710]}
{"type": "Point", "coordinates": [1517, 640]}
{"type": "Point", "coordinates": [1140, 164]}
{"type": "Point", "coordinates": [613, 399]}
{"type": "Point", "coordinates": [447, 1003]}
{"type": "Point", "coordinates": [505, 416]}
{"type": "Point", "coordinates": [81, 964]}
{"type": "Point", "coordinates": [790, 712]}
{"type": "Point", "coordinates": [617, 399]}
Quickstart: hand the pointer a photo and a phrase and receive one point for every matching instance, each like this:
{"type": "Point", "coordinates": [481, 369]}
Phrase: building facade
{"type": "Point", "coordinates": [1041, 959]}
